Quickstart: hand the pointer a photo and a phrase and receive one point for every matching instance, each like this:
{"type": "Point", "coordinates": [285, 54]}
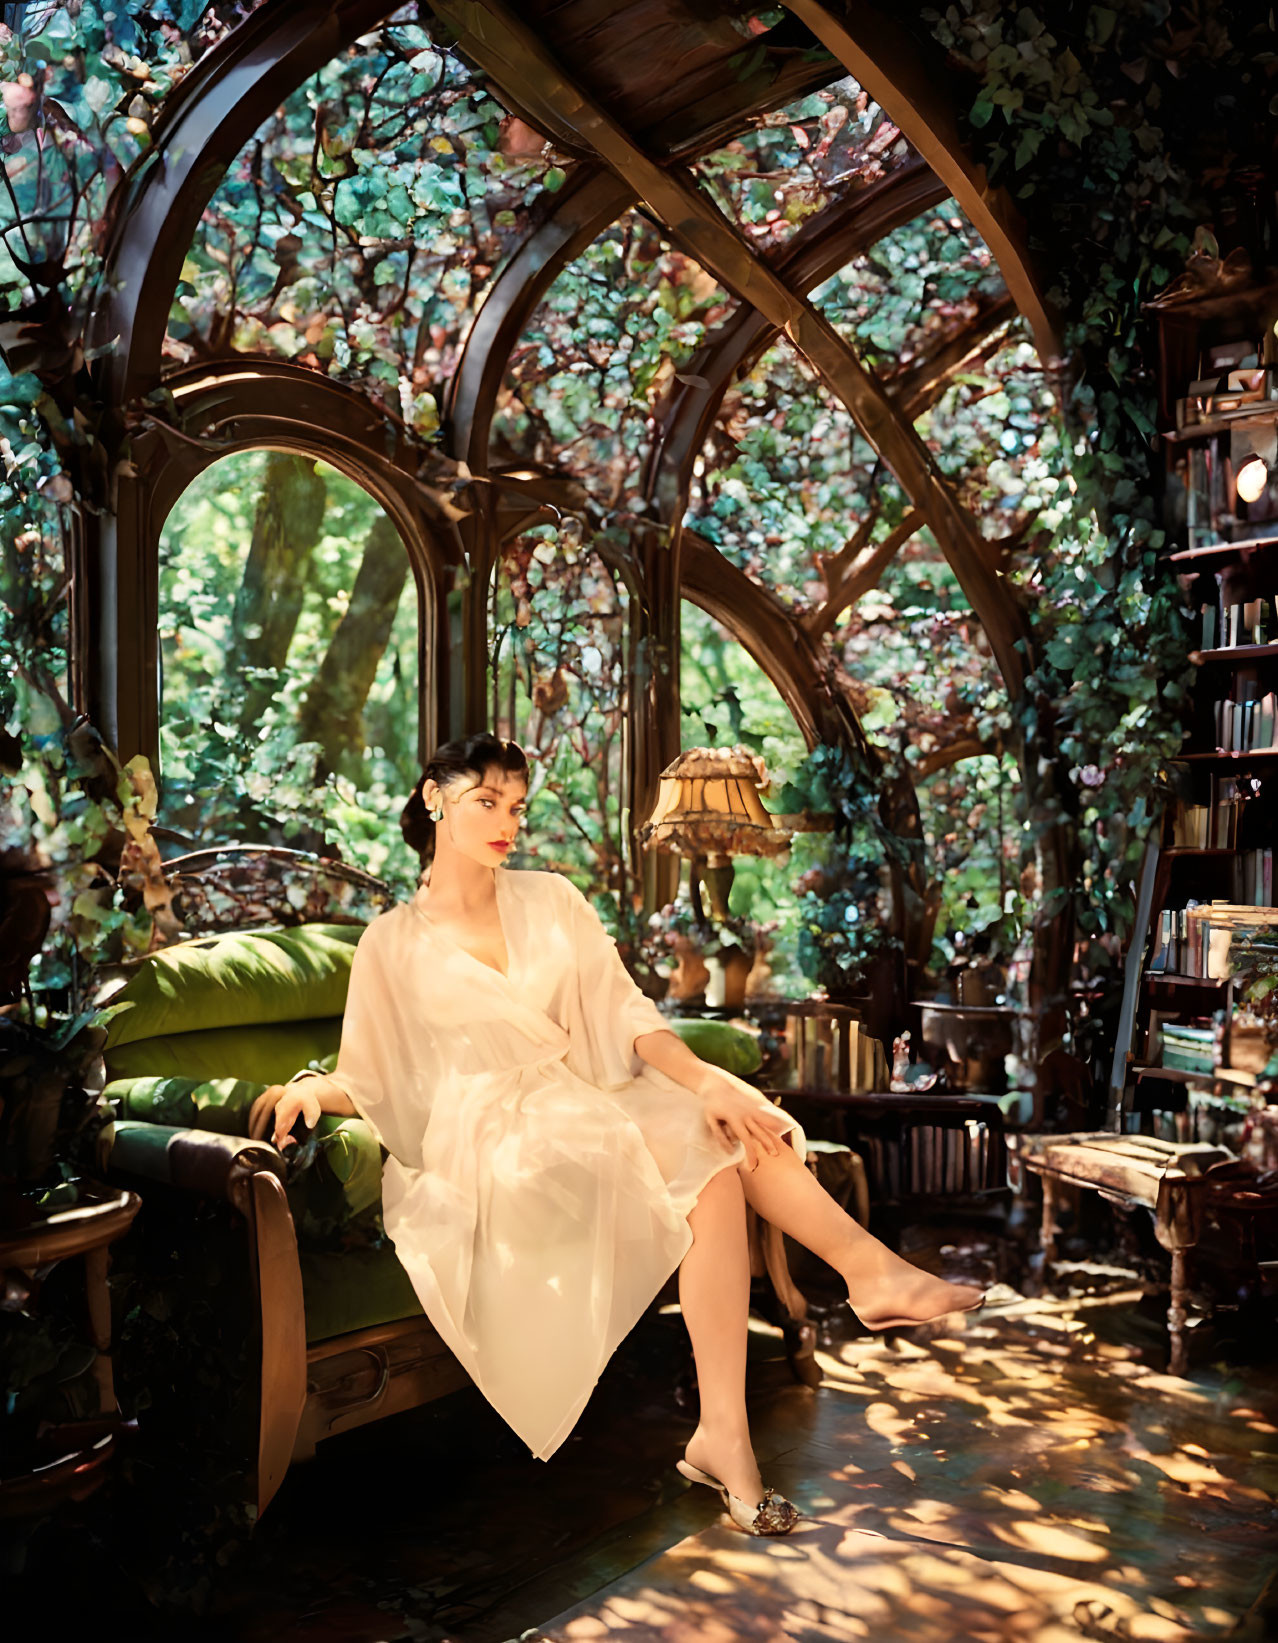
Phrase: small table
{"type": "Point", "coordinates": [1134, 1171]}
{"type": "Point", "coordinates": [27, 1256]}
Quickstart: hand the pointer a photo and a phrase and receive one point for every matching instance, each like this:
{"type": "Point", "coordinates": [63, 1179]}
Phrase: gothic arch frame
{"type": "Point", "coordinates": [214, 112]}
{"type": "Point", "coordinates": [265, 405]}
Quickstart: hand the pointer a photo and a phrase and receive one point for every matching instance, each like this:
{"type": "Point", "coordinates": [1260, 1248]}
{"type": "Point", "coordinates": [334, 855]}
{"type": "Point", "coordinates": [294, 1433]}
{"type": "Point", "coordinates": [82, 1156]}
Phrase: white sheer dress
{"type": "Point", "coordinates": [540, 1174]}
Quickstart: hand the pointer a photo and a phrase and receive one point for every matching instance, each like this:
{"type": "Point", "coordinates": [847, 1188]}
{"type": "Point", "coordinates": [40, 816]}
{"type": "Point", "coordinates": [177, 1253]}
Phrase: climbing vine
{"type": "Point", "coordinates": [1119, 130]}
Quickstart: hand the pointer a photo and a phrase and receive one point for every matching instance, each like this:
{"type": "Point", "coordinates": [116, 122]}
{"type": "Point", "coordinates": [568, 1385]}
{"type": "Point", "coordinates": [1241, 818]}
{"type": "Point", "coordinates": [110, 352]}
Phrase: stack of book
{"type": "Point", "coordinates": [830, 1050]}
{"type": "Point", "coordinates": [1228, 625]}
{"type": "Point", "coordinates": [1249, 725]}
{"type": "Point", "coordinates": [933, 1158]}
{"type": "Point", "coordinates": [1218, 825]}
{"type": "Point", "coordinates": [1237, 392]}
{"type": "Point", "coordinates": [1254, 877]}
{"type": "Point", "coordinates": [1196, 940]}
{"type": "Point", "coordinates": [1189, 1049]}
{"type": "Point", "coordinates": [1171, 954]}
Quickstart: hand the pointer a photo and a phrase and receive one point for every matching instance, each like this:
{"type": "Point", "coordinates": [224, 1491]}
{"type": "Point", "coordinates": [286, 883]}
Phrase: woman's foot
{"type": "Point", "coordinates": [886, 1292]}
{"type": "Point", "coordinates": [730, 1459]}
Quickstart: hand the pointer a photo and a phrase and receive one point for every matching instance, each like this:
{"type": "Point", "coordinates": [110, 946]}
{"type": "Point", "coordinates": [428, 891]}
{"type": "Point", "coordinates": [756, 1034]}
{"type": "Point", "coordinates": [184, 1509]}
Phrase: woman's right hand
{"type": "Point", "coordinates": [282, 1103]}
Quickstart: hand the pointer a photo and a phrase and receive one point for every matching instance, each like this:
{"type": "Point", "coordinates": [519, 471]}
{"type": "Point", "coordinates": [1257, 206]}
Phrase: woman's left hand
{"type": "Point", "coordinates": [737, 1110]}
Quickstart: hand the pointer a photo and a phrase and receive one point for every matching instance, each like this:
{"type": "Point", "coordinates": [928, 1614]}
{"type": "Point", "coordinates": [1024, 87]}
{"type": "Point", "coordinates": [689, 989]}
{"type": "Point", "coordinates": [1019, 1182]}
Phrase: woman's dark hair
{"type": "Point", "coordinates": [468, 756]}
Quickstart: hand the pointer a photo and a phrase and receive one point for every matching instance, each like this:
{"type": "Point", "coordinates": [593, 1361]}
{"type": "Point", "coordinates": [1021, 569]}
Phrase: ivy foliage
{"type": "Point", "coordinates": [843, 917]}
{"type": "Point", "coordinates": [1118, 130]}
{"type": "Point", "coordinates": [798, 160]}
{"type": "Point", "coordinates": [359, 229]}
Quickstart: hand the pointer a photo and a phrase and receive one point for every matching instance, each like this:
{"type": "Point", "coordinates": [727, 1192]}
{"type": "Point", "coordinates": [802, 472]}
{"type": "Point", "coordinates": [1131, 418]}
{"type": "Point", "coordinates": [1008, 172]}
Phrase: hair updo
{"type": "Point", "coordinates": [467, 756]}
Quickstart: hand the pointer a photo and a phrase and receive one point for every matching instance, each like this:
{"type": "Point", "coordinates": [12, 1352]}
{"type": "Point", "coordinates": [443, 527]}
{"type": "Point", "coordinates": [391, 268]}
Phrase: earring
{"type": "Point", "coordinates": [436, 815]}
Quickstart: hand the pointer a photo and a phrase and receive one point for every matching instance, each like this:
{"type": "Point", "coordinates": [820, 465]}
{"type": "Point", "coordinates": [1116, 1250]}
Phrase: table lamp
{"type": "Point", "coordinates": [708, 810]}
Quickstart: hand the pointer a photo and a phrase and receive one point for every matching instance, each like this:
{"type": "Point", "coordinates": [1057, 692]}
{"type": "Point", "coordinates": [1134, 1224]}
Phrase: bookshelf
{"type": "Point", "coordinates": [1188, 1057]}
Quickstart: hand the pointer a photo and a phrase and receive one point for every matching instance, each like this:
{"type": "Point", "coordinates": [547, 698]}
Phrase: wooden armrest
{"type": "Point", "coordinates": [193, 1160]}
{"type": "Point", "coordinates": [250, 1176]}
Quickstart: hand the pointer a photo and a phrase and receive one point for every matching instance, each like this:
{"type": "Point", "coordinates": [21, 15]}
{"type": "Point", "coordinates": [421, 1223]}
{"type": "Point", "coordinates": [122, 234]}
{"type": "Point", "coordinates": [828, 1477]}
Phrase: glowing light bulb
{"type": "Point", "coordinates": [1253, 476]}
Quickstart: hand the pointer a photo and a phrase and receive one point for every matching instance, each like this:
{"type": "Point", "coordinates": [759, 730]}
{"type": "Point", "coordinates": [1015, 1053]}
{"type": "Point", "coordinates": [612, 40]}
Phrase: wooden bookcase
{"type": "Point", "coordinates": [1174, 1075]}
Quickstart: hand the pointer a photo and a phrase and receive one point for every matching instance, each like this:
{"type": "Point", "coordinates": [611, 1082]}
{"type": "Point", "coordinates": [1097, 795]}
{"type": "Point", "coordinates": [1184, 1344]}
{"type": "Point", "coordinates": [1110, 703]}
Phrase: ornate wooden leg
{"type": "Point", "coordinates": [259, 1196]}
{"type": "Point", "coordinates": [799, 1331]}
{"type": "Point", "coordinates": [1176, 1313]}
{"type": "Point", "coordinates": [1047, 1236]}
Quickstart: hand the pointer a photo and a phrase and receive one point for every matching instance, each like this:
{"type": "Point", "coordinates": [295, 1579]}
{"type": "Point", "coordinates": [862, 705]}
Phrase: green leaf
{"type": "Point", "coordinates": [1027, 147]}
{"type": "Point", "coordinates": [981, 111]}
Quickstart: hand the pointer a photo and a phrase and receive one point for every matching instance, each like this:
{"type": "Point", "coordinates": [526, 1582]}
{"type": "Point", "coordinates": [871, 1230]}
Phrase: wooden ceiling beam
{"type": "Point", "coordinates": [881, 57]}
{"type": "Point", "coordinates": [495, 37]}
{"type": "Point", "coordinates": [823, 245]}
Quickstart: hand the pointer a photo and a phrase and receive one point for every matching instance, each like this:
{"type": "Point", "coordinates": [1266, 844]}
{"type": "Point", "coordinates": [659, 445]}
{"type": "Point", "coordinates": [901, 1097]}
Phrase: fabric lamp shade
{"type": "Point", "coordinates": [708, 806]}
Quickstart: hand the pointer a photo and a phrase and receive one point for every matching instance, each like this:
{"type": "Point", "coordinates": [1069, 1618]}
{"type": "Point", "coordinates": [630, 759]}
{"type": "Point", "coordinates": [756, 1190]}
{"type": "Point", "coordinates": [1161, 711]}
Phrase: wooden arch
{"type": "Point", "coordinates": [909, 85]}
{"type": "Point", "coordinates": [217, 107]}
{"type": "Point", "coordinates": [273, 405]}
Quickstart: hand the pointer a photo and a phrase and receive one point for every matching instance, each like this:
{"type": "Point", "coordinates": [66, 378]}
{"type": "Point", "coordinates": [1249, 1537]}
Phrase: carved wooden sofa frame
{"type": "Point", "coordinates": [310, 1393]}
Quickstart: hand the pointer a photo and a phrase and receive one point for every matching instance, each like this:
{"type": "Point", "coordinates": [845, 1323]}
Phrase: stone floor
{"type": "Point", "coordinates": [1028, 1473]}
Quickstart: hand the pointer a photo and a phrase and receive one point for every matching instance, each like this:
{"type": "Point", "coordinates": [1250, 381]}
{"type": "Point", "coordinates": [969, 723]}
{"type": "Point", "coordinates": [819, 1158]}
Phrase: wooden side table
{"type": "Point", "coordinates": [80, 1449]}
{"type": "Point", "coordinates": [1133, 1171]}
{"type": "Point", "coordinates": [915, 1144]}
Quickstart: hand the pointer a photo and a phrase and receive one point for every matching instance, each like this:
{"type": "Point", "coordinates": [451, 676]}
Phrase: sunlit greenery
{"type": "Point", "coordinates": [728, 701]}
{"type": "Point", "coordinates": [294, 771]}
{"type": "Point", "coordinates": [357, 234]}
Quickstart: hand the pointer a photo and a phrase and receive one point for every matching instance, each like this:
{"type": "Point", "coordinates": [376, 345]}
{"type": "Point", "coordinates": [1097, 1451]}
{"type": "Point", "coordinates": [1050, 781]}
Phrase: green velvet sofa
{"type": "Point", "coordinates": [196, 1034]}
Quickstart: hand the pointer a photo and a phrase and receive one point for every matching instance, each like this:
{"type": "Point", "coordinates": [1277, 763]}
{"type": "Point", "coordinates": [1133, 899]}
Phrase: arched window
{"type": "Point", "coordinates": [289, 663]}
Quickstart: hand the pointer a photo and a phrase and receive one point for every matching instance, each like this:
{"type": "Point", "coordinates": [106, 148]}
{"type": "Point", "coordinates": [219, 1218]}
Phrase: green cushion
{"type": "Point", "coordinates": [268, 1055]}
{"type": "Point", "coordinates": [355, 1158]}
{"type": "Point", "coordinates": [354, 1289]}
{"type": "Point", "coordinates": [721, 1044]}
{"type": "Point", "coordinates": [347, 1146]}
{"type": "Point", "coordinates": [220, 1104]}
{"type": "Point", "coordinates": [243, 978]}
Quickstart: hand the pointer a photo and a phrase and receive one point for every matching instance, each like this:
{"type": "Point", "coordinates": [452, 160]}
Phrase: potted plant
{"type": "Point", "coordinates": [730, 952]}
{"type": "Point", "coordinates": [66, 809]}
{"type": "Point", "coordinates": [676, 946]}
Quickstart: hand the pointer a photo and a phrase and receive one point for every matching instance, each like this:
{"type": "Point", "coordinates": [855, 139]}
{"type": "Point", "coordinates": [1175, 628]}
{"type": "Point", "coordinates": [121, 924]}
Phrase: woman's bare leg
{"type": "Point", "coordinates": [881, 1286]}
{"type": "Point", "coordinates": [714, 1294]}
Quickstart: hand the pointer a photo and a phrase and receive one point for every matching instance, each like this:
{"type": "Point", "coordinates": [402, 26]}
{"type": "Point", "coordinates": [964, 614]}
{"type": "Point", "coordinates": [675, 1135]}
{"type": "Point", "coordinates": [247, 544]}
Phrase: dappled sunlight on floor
{"type": "Point", "coordinates": [1026, 1473]}
{"type": "Point", "coordinates": [1013, 1476]}
{"type": "Point", "coordinates": [825, 1581]}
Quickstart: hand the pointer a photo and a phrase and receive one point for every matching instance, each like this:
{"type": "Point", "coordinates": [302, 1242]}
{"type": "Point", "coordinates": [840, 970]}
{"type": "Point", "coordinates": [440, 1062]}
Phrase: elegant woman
{"type": "Point", "coordinates": [555, 1151]}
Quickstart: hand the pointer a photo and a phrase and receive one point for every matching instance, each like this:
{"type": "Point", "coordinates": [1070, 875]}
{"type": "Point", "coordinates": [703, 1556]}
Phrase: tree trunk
{"type": "Point", "coordinates": [290, 514]}
{"type": "Point", "coordinates": [332, 711]}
